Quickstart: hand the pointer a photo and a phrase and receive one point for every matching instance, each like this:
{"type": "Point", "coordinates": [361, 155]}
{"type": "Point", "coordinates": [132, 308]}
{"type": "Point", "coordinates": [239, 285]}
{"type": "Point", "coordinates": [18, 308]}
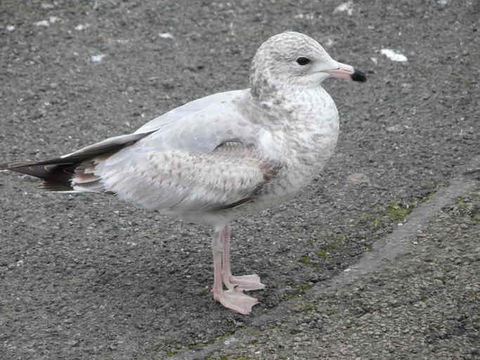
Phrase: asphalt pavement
{"type": "Point", "coordinates": [90, 277]}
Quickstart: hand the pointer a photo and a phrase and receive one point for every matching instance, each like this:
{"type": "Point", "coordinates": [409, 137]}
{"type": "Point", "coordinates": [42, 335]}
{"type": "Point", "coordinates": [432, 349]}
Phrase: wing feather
{"type": "Point", "coordinates": [180, 181]}
{"type": "Point", "coordinates": [191, 109]}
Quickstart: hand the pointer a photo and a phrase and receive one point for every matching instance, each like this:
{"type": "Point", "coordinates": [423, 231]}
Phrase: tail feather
{"type": "Point", "coordinates": [26, 168]}
{"type": "Point", "coordinates": [56, 177]}
{"type": "Point", "coordinates": [74, 171]}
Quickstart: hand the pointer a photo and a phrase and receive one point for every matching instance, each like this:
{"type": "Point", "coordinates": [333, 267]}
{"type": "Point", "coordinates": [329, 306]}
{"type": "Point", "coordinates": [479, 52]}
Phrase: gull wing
{"type": "Point", "coordinates": [197, 127]}
{"type": "Point", "coordinates": [208, 155]}
{"type": "Point", "coordinates": [203, 156]}
{"type": "Point", "coordinates": [192, 107]}
{"type": "Point", "coordinates": [181, 181]}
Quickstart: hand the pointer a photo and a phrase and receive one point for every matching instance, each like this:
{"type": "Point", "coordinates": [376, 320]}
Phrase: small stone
{"type": "Point", "coordinates": [394, 129]}
{"type": "Point", "coordinates": [357, 179]}
{"type": "Point", "coordinates": [394, 55]}
{"type": "Point", "coordinates": [345, 7]}
{"type": "Point", "coordinates": [165, 35]}
{"type": "Point", "coordinates": [47, 6]}
{"type": "Point", "coordinates": [44, 23]}
{"type": "Point", "coordinates": [81, 27]}
{"type": "Point", "coordinates": [97, 58]}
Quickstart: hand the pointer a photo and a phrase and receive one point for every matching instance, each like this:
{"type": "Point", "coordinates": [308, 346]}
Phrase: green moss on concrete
{"type": "Point", "coordinates": [397, 211]}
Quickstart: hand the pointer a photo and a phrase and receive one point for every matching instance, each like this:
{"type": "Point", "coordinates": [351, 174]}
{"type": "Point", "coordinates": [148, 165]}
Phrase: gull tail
{"type": "Point", "coordinates": [75, 172]}
{"type": "Point", "coordinates": [56, 177]}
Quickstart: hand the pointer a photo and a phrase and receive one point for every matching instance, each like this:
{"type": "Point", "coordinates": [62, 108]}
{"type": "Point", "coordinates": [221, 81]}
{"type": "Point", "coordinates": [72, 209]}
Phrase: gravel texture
{"type": "Point", "coordinates": [90, 277]}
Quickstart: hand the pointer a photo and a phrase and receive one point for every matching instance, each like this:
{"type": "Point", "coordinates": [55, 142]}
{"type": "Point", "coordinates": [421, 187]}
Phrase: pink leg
{"type": "Point", "coordinates": [245, 282]}
{"type": "Point", "coordinates": [231, 298]}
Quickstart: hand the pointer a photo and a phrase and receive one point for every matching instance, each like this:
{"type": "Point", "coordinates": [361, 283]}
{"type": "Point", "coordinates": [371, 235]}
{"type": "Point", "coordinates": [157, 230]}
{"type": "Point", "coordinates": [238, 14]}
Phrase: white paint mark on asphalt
{"type": "Point", "coordinates": [10, 27]}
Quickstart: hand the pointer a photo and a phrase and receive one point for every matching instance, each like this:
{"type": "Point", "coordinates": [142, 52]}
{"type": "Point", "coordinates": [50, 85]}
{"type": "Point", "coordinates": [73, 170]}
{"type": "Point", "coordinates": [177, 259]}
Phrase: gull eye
{"type": "Point", "coordinates": [303, 61]}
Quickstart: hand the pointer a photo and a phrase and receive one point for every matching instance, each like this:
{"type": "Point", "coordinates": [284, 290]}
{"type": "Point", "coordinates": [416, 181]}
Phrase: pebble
{"type": "Point", "coordinates": [165, 35]}
{"type": "Point", "coordinates": [345, 7]}
{"type": "Point", "coordinates": [42, 23]}
{"type": "Point", "coordinates": [97, 58]}
{"type": "Point", "coordinates": [357, 179]}
{"type": "Point", "coordinates": [393, 55]}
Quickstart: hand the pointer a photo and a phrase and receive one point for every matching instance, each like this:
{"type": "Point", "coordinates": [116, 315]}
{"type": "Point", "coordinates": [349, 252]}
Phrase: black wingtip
{"type": "Point", "coordinates": [359, 76]}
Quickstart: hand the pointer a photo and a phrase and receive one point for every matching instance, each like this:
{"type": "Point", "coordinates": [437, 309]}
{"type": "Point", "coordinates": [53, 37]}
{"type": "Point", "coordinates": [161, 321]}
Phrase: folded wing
{"type": "Point", "coordinates": [181, 181]}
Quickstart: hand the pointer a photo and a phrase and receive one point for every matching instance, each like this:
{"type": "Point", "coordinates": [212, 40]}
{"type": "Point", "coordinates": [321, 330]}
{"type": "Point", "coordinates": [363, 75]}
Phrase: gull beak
{"type": "Point", "coordinates": [344, 71]}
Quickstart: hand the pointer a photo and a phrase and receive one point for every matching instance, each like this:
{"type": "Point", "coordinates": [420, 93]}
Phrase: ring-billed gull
{"type": "Point", "coordinates": [221, 156]}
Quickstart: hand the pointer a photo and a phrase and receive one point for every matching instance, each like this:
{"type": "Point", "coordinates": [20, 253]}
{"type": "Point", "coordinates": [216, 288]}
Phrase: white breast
{"type": "Point", "coordinates": [306, 141]}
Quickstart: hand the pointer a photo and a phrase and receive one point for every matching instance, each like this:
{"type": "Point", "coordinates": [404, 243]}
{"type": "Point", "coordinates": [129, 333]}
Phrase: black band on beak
{"type": "Point", "coordinates": [358, 76]}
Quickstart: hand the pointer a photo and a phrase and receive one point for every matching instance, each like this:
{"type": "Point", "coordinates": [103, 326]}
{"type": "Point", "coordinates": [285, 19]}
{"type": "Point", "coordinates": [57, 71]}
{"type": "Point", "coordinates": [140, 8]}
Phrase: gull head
{"type": "Point", "coordinates": [292, 59]}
